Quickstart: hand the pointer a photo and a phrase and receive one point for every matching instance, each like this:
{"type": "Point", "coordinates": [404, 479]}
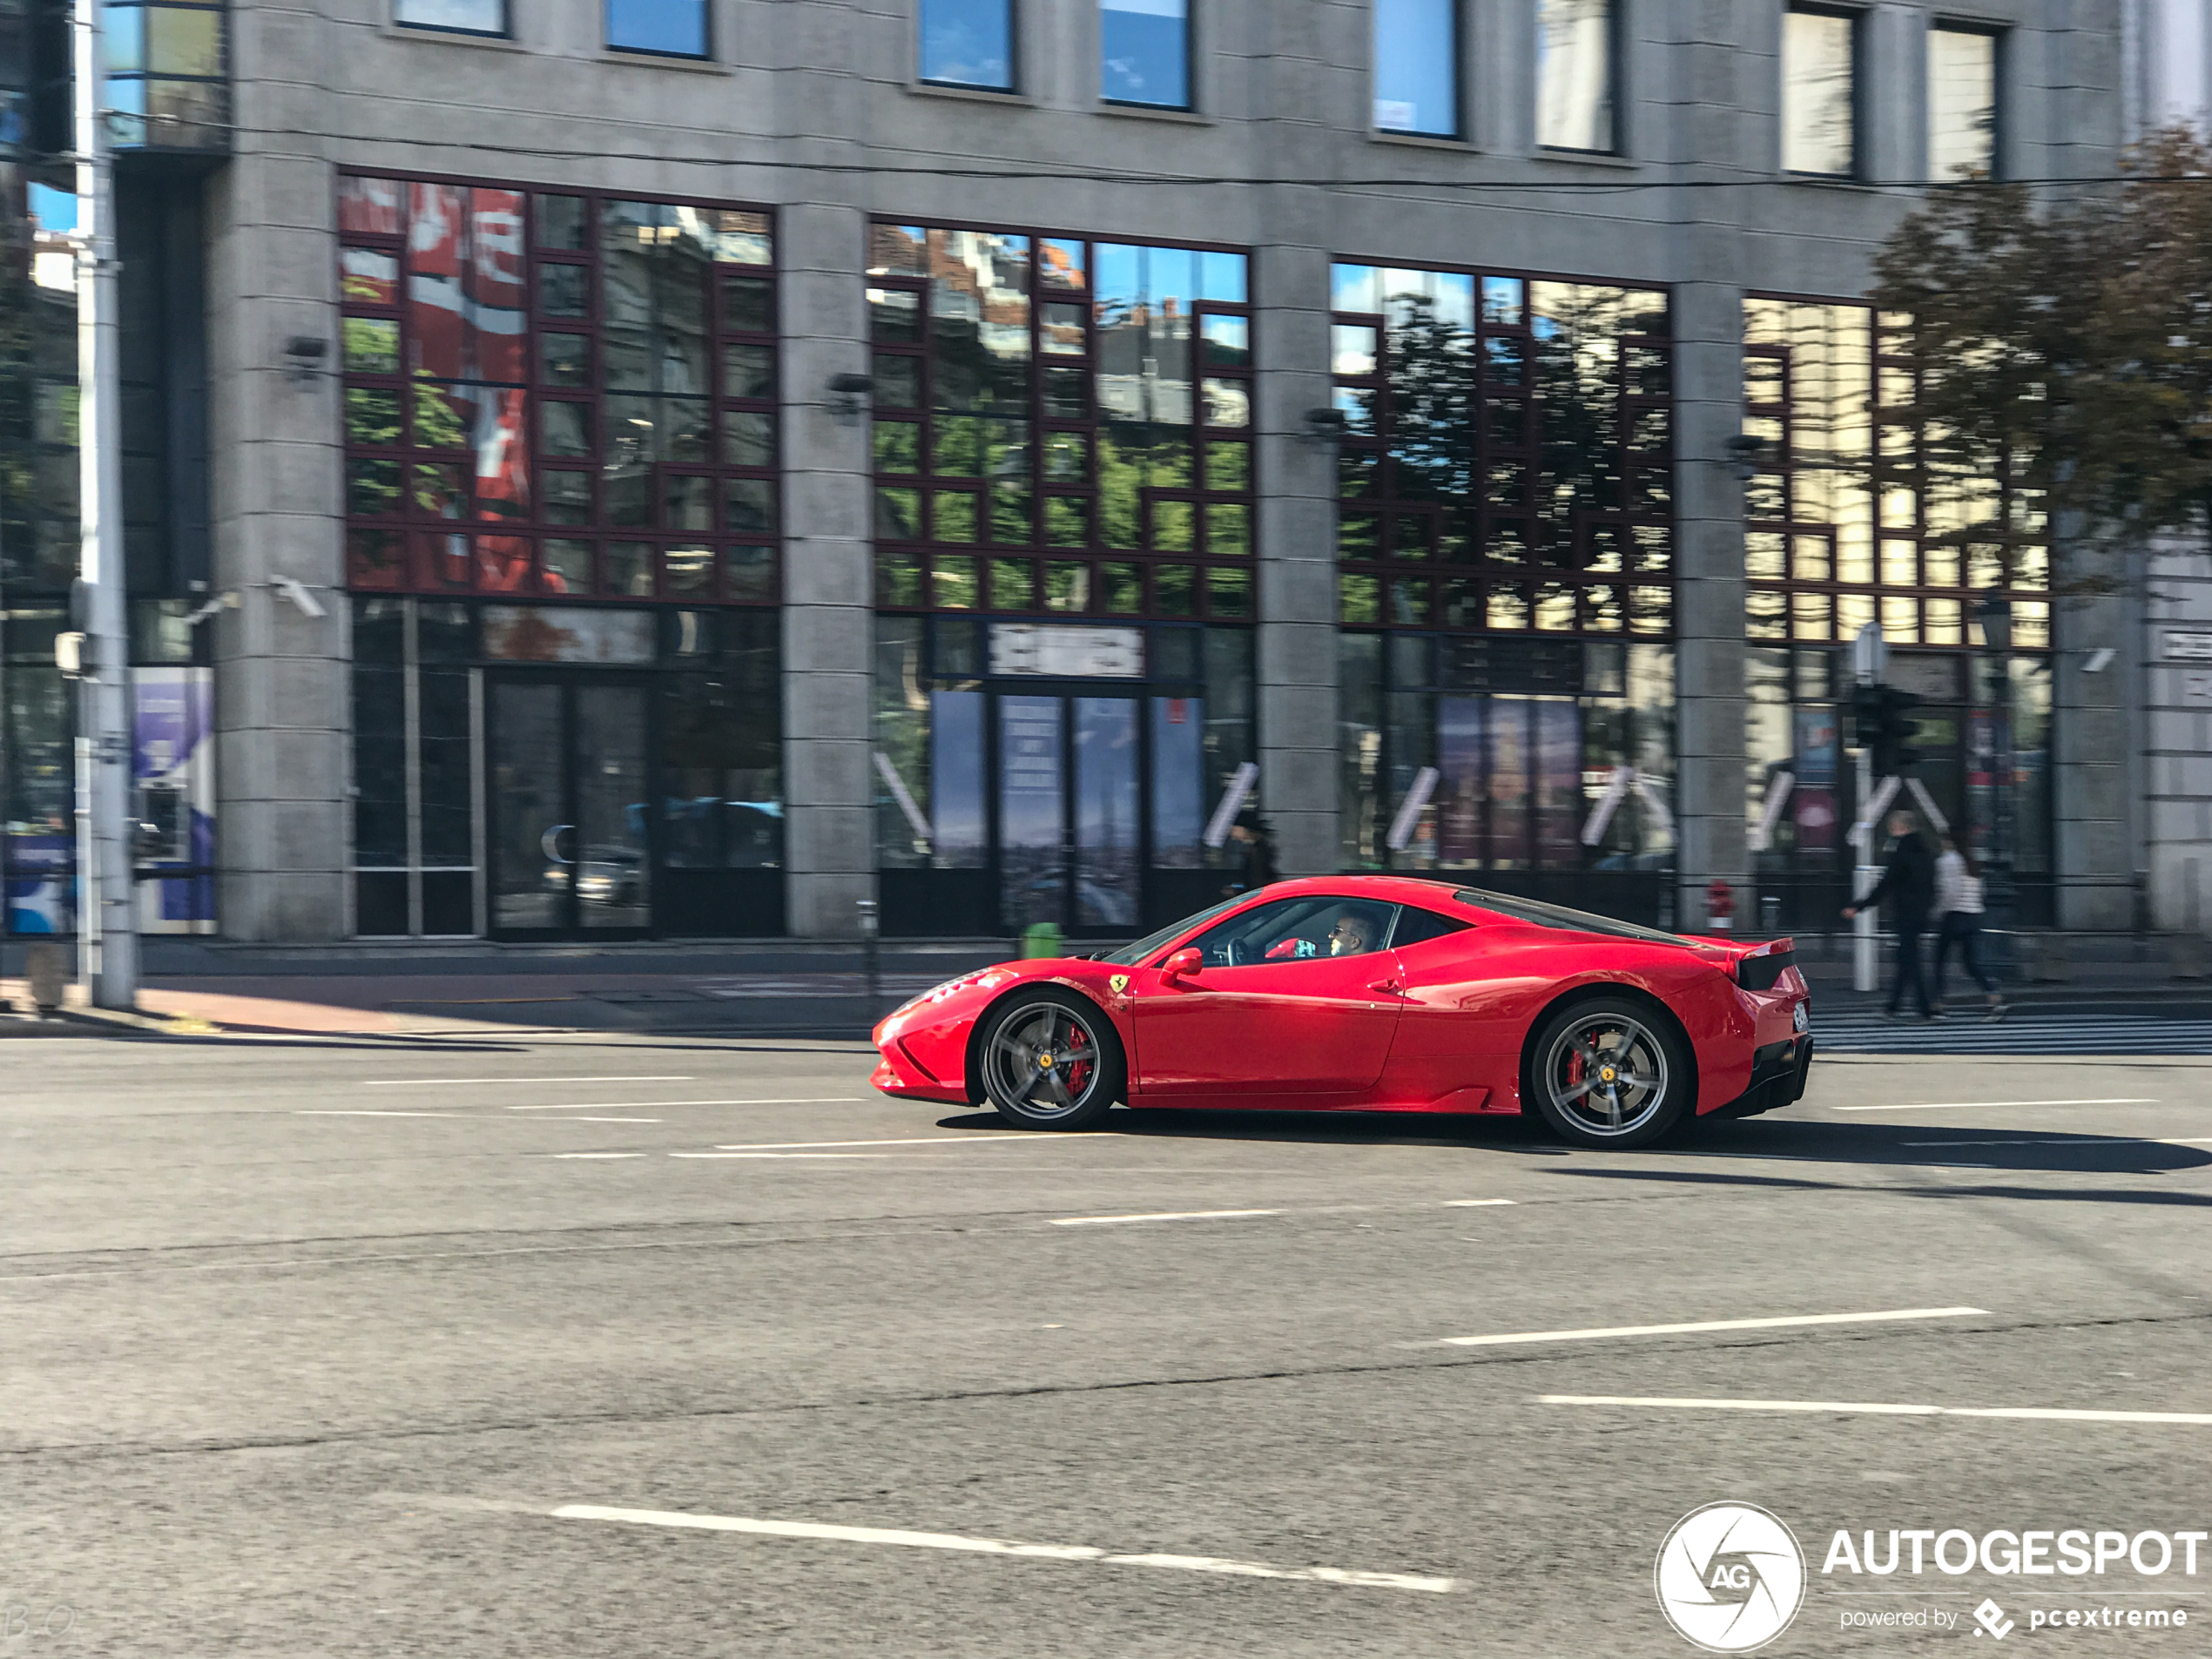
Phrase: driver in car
{"type": "Point", "coordinates": [1347, 936]}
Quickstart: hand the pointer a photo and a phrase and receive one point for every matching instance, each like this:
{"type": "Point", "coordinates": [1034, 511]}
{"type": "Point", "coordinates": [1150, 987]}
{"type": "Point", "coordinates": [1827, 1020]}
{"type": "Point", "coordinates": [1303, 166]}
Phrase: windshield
{"type": "Point", "coordinates": [1557, 916]}
{"type": "Point", "coordinates": [1130, 955]}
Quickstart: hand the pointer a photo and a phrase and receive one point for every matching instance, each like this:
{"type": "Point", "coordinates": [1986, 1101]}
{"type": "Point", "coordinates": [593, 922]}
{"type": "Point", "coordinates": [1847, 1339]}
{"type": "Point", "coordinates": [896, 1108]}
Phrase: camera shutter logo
{"type": "Point", "coordinates": [1729, 1577]}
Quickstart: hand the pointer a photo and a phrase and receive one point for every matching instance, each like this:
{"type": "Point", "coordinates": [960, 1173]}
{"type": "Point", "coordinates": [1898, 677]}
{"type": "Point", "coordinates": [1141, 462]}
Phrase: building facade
{"type": "Point", "coordinates": [683, 467]}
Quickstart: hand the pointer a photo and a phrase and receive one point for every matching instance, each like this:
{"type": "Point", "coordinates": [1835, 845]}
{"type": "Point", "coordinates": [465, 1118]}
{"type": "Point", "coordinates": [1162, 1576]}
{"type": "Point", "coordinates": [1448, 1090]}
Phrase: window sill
{"type": "Point", "coordinates": [1587, 158]}
{"type": "Point", "coordinates": [1422, 141]}
{"type": "Point", "coordinates": [392, 30]}
{"type": "Point", "coordinates": [662, 60]}
{"type": "Point", "coordinates": [1825, 179]}
{"type": "Point", "coordinates": [1150, 112]}
{"type": "Point", "coordinates": [970, 94]}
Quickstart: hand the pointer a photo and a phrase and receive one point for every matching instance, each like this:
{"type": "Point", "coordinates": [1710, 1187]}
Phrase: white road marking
{"type": "Point", "coordinates": [2041, 1414]}
{"type": "Point", "coordinates": [338, 1111]}
{"type": "Point", "coordinates": [1973, 1105]}
{"type": "Point", "coordinates": [919, 1140]}
{"type": "Point", "coordinates": [1715, 1325]}
{"type": "Point", "coordinates": [2082, 1140]}
{"type": "Point", "coordinates": [614, 1120]}
{"type": "Point", "coordinates": [1003, 1547]}
{"type": "Point", "coordinates": [632, 1105]}
{"type": "Point", "coordinates": [1473, 1204]}
{"type": "Point", "coordinates": [599, 1155]}
{"type": "Point", "coordinates": [777, 1155]}
{"type": "Point", "coordinates": [450, 1083]}
{"type": "Point", "coordinates": [1165, 1215]}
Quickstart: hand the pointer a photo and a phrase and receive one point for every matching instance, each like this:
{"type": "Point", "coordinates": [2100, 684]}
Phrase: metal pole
{"type": "Point", "coordinates": [107, 923]}
{"type": "Point", "coordinates": [871, 963]}
{"type": "Point", "coordinates": [1864, 976]}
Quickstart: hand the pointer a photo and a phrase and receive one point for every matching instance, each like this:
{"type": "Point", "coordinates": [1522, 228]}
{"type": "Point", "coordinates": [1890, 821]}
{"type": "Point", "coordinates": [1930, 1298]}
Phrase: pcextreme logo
{"type": "Point", "coordinates": [1729, 1577]}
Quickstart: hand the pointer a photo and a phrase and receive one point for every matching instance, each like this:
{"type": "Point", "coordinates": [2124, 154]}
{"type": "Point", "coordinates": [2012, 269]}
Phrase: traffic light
{"type": "Point", "coordinates": [1881, 722]}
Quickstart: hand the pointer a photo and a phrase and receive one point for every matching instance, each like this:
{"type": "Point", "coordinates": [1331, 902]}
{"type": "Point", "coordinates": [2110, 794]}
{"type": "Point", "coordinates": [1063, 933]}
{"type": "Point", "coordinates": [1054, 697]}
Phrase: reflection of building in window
{"type": "Point", "coordinates": [1060, 426]}
{"type": "Point", "coordinates": [1575, 75]}
{"type": "Point", "coordinates": [1505, 520]}
{"type": "Point", "coordinates": [167, 80]}
{"type": "Point", "coordinates": [1962, 103]}
{"type": "Point", "coordinates": [1848, 522]}
{"type": "Point", "coordinates": [1819, 91]}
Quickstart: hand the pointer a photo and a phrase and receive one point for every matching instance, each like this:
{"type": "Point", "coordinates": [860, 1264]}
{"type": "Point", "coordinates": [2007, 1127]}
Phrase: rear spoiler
{"type": "Point", "coordinates": [1756, 967]}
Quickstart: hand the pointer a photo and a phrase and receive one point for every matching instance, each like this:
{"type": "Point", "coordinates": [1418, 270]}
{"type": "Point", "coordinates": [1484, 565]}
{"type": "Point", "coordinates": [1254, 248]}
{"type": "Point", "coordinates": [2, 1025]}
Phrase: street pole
{"type": "Point", "coordinates": [107, 914]}
{"type": "Point", "coordinates": [1864, 967]}
{"type": "Point", "coordinates": [1995, 615]}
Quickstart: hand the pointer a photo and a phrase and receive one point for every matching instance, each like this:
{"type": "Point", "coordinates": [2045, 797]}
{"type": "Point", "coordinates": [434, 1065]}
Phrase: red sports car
{"type": "Point", "coordinates": [1372, 993]}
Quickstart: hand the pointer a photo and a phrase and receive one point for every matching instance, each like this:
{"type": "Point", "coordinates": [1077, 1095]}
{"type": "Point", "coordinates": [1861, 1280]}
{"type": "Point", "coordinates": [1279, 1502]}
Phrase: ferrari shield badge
{"type": "Point", "coordinates": [1118, 983]}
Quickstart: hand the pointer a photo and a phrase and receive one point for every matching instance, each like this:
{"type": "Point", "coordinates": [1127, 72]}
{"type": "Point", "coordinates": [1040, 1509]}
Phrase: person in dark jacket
{"type": "Point", "coordinates": [1906, 894]}
{"type": "Point", "coordinates": [1257, 843]}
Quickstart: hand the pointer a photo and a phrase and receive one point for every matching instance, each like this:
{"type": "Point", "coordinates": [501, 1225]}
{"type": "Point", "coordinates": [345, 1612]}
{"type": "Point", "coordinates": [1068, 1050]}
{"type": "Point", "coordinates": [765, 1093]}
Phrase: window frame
{"type": "Point", "coordinates": [1999, 37]}
{"type": "Point", "coordinates": [1855, 19]}
{"type": "Point", "coordinates": [505, 32]}
{"type": "Point", "coordinates": [1614, 33]}
{"type": "Point", "coordinates": [704, 55]}
{"type": "Point", "coordinates": [1014, 87]}
{"type": "Point", "coordinates": [410, 530]}
{"type": "Point", "coordinates": [1191, 103]}
{"type": "Point", "coordinates": [1458, 132]}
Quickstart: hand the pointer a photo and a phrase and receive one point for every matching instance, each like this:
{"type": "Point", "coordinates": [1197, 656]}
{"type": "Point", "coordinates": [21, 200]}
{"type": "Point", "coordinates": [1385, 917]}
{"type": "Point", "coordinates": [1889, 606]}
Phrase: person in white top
{"type": "Point", "coordinates": [1958, 903]}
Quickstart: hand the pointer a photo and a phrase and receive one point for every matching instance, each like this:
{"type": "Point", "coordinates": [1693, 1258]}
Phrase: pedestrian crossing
{"type": "Point", "coordinates": [2021, 1032]}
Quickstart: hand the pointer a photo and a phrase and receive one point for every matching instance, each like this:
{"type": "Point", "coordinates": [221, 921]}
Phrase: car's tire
{"type": "Point", "coordinates": [1050, 1059]}
{"type": "Point", "coordinates": [1652, 1077]}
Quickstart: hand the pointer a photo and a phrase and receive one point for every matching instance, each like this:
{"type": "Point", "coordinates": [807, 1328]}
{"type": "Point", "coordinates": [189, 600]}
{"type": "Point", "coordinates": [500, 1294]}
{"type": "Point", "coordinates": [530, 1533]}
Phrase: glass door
{"type": "Point", "coordinates": [570, 844]}
{"type": "Point", "coordinates": [1070, 811]}
{"type": "Point", "coordinates": [1108, 879]}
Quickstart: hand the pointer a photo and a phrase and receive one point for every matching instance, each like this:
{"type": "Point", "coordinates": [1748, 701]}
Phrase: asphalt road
{"type": "Point", "coordinates": [307, 1350]}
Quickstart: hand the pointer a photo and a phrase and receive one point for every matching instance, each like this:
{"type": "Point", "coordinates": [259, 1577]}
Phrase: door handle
{"type": "Point", "coordinates": [1388, 987]}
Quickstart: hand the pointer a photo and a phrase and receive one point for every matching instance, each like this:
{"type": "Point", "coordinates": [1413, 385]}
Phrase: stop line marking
{"type": "Point", "coordinates": [2037, 1414]}
{"type": "Point", "coordinates": [1715, 1325]}
{"type": "Point", "coordinates": [1338, 1576]}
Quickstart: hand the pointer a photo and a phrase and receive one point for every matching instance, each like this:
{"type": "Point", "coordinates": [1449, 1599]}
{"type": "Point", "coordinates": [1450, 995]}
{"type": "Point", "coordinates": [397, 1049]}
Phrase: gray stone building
{"type": "Point", "coordinates": [681, 467]}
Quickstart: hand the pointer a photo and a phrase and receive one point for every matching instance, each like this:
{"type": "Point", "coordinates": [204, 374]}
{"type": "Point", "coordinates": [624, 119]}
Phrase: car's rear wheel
{"type": "Point", "coordinates": [1051, 1061]}
{"type": "Point", "coordinates": [1610, 1072]}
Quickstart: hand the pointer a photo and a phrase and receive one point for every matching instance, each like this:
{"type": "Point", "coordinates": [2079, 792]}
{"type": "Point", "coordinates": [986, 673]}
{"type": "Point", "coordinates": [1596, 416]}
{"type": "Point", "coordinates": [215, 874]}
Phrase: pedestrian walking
{"type": "Point", "coordinates": [1257, 842]}
{"type": "Point", "coordinates": [1906, 894]}
{"type": "Point", "coordinates": [1958, 913]}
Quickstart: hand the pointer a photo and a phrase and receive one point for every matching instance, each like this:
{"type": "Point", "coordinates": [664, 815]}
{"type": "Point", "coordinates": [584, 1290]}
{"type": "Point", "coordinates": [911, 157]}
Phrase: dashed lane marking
{"type": "Point", "coordinates": [1343, 1577]}
{"type": "Point", "coordinates": [2038, 1413]}
{"type": "Point", "coordinates": [519, 1083]}
{"type": "Point", "coordinates": [1164, 1215]}
{"type": "Point", "coordinates": [636, 1105]}
{"type": "Point", "coordinates": [1974, 1105]}
{"type": "Point", "coordinates": [1772, 1323]}
{"type": "Point", "coordinates": [919, 1140]}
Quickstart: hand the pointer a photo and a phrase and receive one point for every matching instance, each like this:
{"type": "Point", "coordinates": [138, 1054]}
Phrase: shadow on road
{"type": "Point", "coordinates": [1951, 1146]}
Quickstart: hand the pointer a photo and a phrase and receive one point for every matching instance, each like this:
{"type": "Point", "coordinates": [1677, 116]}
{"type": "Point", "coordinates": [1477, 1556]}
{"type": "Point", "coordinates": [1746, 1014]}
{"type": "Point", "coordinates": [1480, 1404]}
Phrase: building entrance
{"type": "Point", "coordinates": [569, 805]}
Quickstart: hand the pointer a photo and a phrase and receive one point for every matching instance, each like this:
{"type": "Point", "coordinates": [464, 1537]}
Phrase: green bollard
{"type": "Point", "coordinates": [1041, 938]}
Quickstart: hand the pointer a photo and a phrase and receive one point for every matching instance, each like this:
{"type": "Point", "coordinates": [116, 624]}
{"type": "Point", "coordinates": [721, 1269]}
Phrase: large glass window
{"type": "Point", "coordinates": [1575, 75]}
{"type": "Point", "coordinates": [1819, 92]}
{"type": "Point", "coordinates": [1847, 522]}
{"type": "Point", "coordinates": [462, 16]}
{"type": "Point", "coordinates": [1062, 425]}
{"type": "Point", "coordinates": [675, 27]}
{"type": "Point", "coordinates": [1507, 463]}
{"type": "Point", "coordinates": [1417, 67]}
{"type": "Point", "coordinates": [558, 394]}
{"type": "Point", "coordinates": [1962, 103]}
{"type": "Point", "coordinates": [1144, 52]}
{"type": "Point", "coordinates": [968, 42]}
{"type": "Point", "coordinates": [167, 79]}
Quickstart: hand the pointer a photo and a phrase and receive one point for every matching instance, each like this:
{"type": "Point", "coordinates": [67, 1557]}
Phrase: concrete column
{"type": "Point", "coordinates": [828, 793]}
{"type": "Point", "coordinates": [1708, 598]}
{"type": "Point", "coordinates": [1298, 535]}
{"type": "Point", "coordinates": [282, 716]}
{"type": "Point", "coordinates": [2178, 704]}
{"type": "Point", "coordinates": [2091, 756]}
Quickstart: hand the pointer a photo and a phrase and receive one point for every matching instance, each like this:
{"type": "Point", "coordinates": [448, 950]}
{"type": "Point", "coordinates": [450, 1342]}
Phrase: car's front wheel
{"type": "Point", "coordinates": [1051, 1061]}
{"type": "Point", "coordinates": [1610, 1072]}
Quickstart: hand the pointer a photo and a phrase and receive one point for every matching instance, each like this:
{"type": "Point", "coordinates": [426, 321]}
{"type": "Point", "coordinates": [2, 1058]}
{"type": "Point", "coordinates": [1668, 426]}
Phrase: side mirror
{"type": "Point", "coordinates": [1183, 965]}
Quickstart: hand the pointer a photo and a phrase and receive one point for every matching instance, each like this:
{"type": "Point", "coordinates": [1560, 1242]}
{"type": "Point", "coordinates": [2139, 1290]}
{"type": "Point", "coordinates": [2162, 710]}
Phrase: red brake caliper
{"type": "Point", "coordinates": [1078, 1058]}
{"type": "Point", "coordinates": [1574, 1068]}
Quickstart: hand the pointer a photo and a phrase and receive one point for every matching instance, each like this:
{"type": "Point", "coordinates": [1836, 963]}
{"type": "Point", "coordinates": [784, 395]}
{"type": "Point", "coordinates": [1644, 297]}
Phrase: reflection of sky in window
{"type": "Point", "coordinates": [967, 43]}
{"type": "Point", "coordinates": [1144, 52]}
{"type": "Point", "coordinates": [1417, 66]}
{"type": "Point", "coordinates": [54, 210]}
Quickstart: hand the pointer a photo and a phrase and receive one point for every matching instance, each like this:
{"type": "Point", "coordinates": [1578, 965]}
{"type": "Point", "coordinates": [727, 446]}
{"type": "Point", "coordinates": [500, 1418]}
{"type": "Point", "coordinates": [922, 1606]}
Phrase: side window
{"type": "Point", "coordinates": [1416, 927]}
{"type": "Point", "coordinates": [1291, 930]}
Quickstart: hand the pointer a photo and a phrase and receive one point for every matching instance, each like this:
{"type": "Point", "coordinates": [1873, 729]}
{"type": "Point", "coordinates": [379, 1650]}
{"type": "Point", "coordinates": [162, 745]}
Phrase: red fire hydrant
{"type": "Point", "coordinates": [1719, 908]}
